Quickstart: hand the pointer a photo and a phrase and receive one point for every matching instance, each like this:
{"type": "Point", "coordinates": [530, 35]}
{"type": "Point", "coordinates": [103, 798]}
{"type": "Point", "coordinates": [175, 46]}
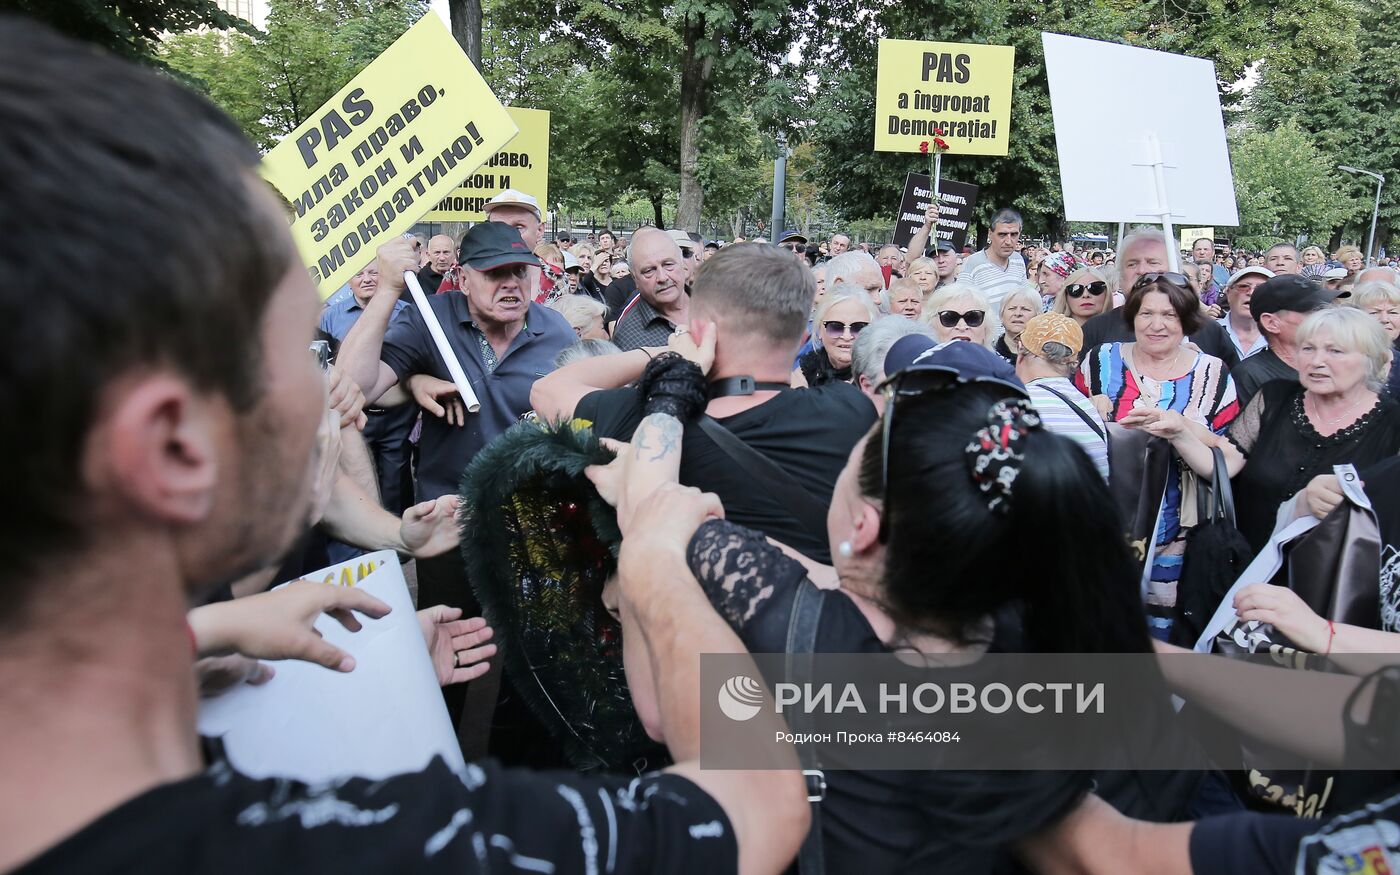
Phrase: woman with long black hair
{"type": "Point", "coordinates": [959, 525]}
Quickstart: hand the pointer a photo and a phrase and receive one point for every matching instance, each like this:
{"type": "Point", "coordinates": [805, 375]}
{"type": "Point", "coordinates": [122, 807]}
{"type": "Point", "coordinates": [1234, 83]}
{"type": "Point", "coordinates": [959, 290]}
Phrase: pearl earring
{"type": "Point", "coordinates": [845, 549]}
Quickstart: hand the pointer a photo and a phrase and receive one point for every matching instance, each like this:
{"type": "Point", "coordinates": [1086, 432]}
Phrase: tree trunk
{"type": "Point", "coordinates": [466, 27]}
{"type": "Point", "coordinates": [656, 209]}
{"type": "Point", "coordinates": [695, 84]}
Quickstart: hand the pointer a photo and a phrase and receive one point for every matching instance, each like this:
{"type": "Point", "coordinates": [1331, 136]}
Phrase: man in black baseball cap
{"type": "Point", "coordinates": [1279, 306]}
{"type": "Point", "coordinates": [502, 339]}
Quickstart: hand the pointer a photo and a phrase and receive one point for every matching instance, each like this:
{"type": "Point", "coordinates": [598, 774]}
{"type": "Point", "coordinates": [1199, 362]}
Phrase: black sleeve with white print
{"type": "Point", "coordinates": [481, 819]}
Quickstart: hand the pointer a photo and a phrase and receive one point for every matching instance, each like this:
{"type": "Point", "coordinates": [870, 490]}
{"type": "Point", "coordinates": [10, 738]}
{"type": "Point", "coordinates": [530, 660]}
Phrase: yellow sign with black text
{"type": "Point", "coordinates": [384, 150]}
{"type": "Point", "coordinates": [522, 165]}
{"type": "Point", "coordinates": [958, 92]}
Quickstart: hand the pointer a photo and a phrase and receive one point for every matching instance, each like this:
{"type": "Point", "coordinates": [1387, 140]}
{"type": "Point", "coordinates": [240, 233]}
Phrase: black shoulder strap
{"type": "Point", "coordinates": [806, 616]}
{"type": "Point", "coordinates": [1088, 420]}
{"type": "Point", "coordinates": [766, 473]}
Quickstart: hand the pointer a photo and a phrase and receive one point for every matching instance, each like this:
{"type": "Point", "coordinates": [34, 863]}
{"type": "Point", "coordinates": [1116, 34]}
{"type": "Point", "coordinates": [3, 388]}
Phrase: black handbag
{"type": "Point", "coordinates": [1216, 555]}
{"type": "Point", "coordinates": [1138, 466]}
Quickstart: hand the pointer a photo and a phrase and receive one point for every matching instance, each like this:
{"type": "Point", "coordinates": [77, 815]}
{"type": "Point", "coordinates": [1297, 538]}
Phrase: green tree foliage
{"type": "Point", "coordinates": [860, 182]}
{"type": "Point", "coordinates": [130, 28]}
{"type": "Point", "coordinates": [1351, 118]}
{"type": "Point", "coordinates": [271, 82]}
{"type": "Point", "coordinates": [1285, 186]}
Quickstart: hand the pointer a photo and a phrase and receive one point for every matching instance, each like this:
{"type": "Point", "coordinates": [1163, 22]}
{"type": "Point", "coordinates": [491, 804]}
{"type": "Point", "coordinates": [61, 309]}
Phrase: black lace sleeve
{"type": "Point", "coordinates": [739, 570]}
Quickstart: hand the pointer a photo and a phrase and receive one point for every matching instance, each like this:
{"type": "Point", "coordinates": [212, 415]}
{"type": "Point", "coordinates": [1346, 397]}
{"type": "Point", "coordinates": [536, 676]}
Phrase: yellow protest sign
{"type": "Point", "coordinates": [522, 165]}
{"type": "Point", "coordinates": [957, 91]}
{"type": "Point", "coordinates": [384, 150]}
{"type": "Point", "coordinates": [1189, 236]}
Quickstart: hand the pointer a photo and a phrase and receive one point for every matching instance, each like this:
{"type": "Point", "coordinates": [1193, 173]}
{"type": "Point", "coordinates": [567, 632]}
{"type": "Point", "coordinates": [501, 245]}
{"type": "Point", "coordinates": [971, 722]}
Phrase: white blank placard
{"type": "Point", "coordinates": [1107, 99]}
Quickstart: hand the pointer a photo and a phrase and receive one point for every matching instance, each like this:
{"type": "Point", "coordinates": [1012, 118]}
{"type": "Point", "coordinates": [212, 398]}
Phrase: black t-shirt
{"type": "Point", "coordinates": [1263, 367]}
{"type": "Point", "coordinates": [808, 433]}
{"type": "Point", "coordinates": [1210, 337]}
{"type": "Point", "coordinates": [429, 279]}
{"type": "Point", "coordinates": [617, 294]}
{"type": "Point", "coordinates": [484, 819]}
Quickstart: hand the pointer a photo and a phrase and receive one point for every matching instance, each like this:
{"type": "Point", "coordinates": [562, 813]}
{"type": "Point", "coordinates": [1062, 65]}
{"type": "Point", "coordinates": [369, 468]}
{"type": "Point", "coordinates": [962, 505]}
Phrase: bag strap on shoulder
{"type": "Point", "coordinates": [768, 475]}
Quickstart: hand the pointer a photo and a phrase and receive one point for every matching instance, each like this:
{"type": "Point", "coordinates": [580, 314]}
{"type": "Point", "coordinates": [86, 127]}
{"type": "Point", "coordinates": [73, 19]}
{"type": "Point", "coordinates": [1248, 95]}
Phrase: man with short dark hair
{"type": "Point", "coordinates": [757, 301]}
{"type": "Point", "coordinates": [1000, 267]}
{"type": "Point", "coordinates": [179, 455]}
{"type": "Point", "coordinates": [1279, 306]}
{"type": "Point", "coordinates": [1282, 258]}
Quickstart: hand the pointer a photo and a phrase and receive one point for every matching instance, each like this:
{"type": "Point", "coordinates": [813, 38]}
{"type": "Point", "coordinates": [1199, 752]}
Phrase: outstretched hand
{"type": "Point", "coordinates": [456, 646]}
{"type": "Point", "coordinates": [281, 624]}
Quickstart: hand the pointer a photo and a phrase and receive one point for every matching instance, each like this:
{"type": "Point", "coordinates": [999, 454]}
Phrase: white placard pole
{"type": "Point", "coordinates": [449, 358]}
{"type": "Point", "coordinates": [1163, 212]}
{"type": "Point", "coordinates": [938, 204]}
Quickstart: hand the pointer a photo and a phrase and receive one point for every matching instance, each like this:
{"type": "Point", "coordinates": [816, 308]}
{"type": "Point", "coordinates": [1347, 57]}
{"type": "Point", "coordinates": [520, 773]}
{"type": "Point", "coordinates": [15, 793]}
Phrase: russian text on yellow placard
{"type": "Point", "coordinates": [385, 150]}
{"type": "Point", "coordinates": [957, 91]}
{"type": "Point", "coordinates": [523, 164]}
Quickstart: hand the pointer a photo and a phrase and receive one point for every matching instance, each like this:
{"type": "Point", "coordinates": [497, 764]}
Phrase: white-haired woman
{"type": "Point", "coordinates": [1381, 301]}
{"type": "Point", "coordinates": [585, 315]}
{"type": "Point", "coordinates": [959, 311]}
{"type": "Point", "coordinates": [1020, 305]}
{"type": "Point", "coordinates": [843, 313]}
{"type": "Point", "coordinates": [1291, 432]}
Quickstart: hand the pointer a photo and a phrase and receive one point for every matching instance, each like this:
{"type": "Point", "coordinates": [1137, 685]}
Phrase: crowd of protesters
{"type": "Point", "coordinates": [899, 450]}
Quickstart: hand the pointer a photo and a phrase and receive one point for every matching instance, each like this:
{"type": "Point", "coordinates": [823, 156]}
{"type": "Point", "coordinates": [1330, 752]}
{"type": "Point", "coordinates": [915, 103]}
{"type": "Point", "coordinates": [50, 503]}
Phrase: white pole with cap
{"type": "Point", "coordinates": [449, 358]}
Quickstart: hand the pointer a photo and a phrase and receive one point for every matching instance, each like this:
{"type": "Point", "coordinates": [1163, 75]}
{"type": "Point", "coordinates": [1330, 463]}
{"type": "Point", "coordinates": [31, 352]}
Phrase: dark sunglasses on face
{"type": "Point", "coordinates": [1177, 279]}
{"type": "Point", "coordinates": [950, 318]}
{"type": "Point", "coordinates": [1078, 290]}
{"type": "Point", "coordinates": [836, 329]}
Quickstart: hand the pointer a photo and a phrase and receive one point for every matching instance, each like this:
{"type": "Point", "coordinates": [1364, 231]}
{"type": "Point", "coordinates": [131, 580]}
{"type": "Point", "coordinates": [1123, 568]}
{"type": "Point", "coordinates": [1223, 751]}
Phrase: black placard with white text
{"type": "Point", "coordinates": [954, 216]}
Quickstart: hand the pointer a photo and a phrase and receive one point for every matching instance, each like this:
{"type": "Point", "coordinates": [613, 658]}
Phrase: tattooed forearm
{"type": "Point", "coordinates": [665, 430]}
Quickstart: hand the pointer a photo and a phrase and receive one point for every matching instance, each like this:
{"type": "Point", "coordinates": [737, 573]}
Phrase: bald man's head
{"type": "Point", "coordinates": [442, 252]}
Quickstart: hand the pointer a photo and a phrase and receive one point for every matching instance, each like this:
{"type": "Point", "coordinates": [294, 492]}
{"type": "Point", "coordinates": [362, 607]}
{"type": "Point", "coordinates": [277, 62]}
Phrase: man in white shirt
{"type": "Point", "coordinates": [999, 268]}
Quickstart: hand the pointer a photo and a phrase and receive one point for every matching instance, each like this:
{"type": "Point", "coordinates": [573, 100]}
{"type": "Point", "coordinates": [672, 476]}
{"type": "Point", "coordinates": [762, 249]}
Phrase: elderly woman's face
{"type": "Point", "coordinates": [1355, 262]}
{"type": "Point", "coordinates": [840, 326]}
{"type": "Point", "coordinates": [907, 302]}
{"type": "Point", "coordinates": [620, 269]}
{"type": "Point", "coordinates": [954, 321]}
{"type": "Point", "coordinates": [1015, 314]}
{"type": "Point", "coordinates": [1325, 367]}
{"type": "Point", "coordinates": [1310, 256]}
{"type": "Point", "coordinates": [1050, 282]}
{"type": "Point", "coordinates": [1389, 317]}
{"type": "Point", "coordinates": [1157, 327]}
{"type": "Point", "coordinates": [925, 276]}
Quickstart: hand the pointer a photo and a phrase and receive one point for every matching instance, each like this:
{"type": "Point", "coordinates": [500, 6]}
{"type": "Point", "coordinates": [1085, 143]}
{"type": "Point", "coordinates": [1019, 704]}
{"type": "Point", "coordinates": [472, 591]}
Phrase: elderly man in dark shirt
{"type": "Point", "coordinates": [661, 303]}
{"type": "Point", "coordinates": [503, 341]}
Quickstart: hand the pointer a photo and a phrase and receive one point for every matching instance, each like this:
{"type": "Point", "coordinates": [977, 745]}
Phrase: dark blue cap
{"type": "Point", "coordinates": [968, 361]}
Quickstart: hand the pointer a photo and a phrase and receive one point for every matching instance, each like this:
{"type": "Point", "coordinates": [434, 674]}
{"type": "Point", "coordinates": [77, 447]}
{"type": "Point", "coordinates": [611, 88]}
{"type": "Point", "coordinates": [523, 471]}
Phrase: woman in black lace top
{"type": "Point", "coordinates": [1292, 432]}
{"type": "Point", "coordinates": [974, 485]}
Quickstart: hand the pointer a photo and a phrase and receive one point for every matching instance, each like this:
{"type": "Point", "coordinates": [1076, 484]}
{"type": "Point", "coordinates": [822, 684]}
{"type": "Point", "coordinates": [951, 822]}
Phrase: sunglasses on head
{"type": "Point", "coordinates": [1172, 277]}
{"type": "Point", "coordinates": [911, 383]}
{"type": "Point", "coordinates": [1078, 290]}
{"type": "Point", "coordinates": [950, 318]}
{"type": "Point", "coordinates": [838, 328]}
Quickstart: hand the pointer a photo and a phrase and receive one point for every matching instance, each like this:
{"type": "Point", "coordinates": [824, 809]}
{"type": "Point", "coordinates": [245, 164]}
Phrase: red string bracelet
{"type": "Point", "coordinates": [1331, 635]}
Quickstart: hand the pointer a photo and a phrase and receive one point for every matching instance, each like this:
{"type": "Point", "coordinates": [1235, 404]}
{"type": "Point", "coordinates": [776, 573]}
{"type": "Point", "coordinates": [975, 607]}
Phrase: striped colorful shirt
{"type": "Point", "coordinates": [1057, 416]}
{"type": "Point", "coordinates": [1205, 394]}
